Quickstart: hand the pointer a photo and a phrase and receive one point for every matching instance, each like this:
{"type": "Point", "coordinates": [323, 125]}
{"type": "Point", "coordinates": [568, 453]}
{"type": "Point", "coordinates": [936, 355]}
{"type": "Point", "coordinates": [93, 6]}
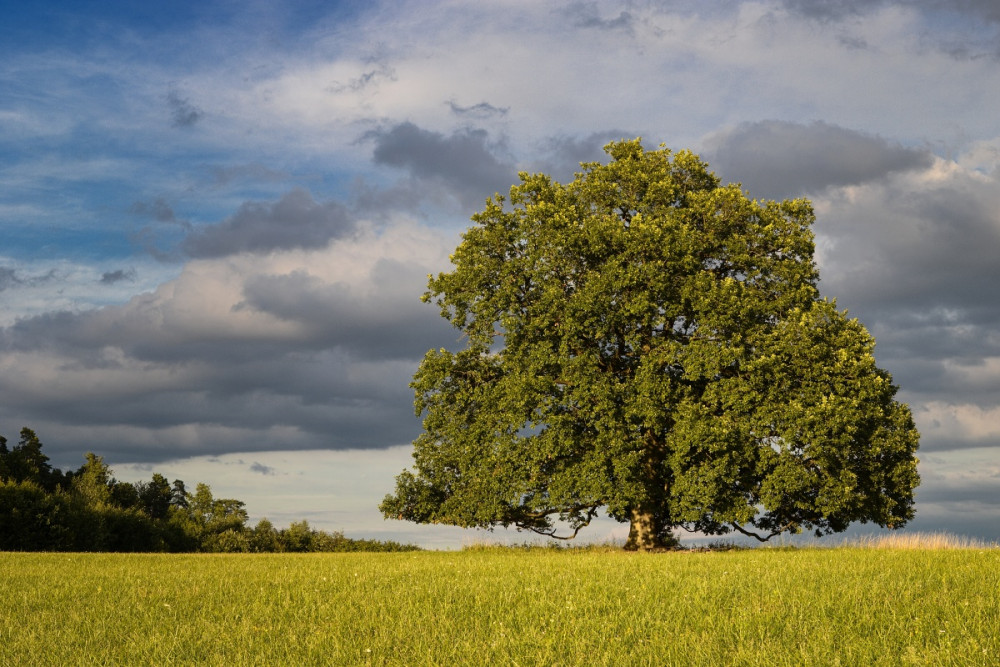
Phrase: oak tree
{"type": "Point", "coordinates": [648, 342]}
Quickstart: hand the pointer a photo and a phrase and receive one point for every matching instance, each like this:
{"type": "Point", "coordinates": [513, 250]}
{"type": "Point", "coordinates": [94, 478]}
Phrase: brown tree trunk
{"type": "Point", "coordinates": [644, 533]}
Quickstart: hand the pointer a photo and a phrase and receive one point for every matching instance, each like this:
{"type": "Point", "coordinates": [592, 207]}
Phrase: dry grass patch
{"type": "Point", "coordinates": [923, 541]}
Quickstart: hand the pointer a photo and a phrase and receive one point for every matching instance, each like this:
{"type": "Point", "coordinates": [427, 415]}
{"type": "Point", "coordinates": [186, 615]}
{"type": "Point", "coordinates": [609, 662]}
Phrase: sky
{"type": "Point", "coordinates": [217, 218]}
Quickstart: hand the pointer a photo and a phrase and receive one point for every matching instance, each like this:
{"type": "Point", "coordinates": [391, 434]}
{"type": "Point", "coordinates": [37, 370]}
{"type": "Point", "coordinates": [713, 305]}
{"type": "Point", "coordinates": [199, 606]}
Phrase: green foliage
{"type": "Point", "coordinates": [649, 342]}
{"type": "Point", "coordinates": [505, 606]}
{"type": "Point", "coordinates": [31, 519]}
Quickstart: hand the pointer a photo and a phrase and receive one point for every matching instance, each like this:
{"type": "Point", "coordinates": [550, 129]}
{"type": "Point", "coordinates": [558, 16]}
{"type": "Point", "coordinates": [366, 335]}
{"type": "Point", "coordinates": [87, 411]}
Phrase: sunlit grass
{"type": "Point", "coordinates": [505, 606]}
{"type": "Point", "coordinates": [923, 541]}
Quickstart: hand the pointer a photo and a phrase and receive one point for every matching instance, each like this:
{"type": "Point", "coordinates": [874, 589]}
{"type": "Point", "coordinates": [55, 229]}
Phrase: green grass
{"type": "Point", "coordinates": [849, 606]}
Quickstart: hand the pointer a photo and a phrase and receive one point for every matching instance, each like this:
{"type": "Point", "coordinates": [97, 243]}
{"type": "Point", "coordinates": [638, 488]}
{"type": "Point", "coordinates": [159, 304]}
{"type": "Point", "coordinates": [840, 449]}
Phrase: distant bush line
{"type": "Point", "coordinates": [45, 509]}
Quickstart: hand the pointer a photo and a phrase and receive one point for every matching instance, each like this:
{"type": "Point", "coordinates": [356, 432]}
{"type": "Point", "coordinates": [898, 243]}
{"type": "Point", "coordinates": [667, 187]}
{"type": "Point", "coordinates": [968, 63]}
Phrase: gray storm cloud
{"type": "Point", "coordinates": [777, 159]}
{"type": "Point", "coordinates": [562, 155]}
{"type": "Point", "coordinates": [914, 256]}
{"type": "Point", "coordinates": [464, 162]}
{"type": "Point", "coordinates": [295, 221]}
{"type": "Point", "coordinates": [297, 349]}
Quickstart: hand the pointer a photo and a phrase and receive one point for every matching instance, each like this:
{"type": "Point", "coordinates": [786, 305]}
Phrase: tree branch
{"type": "Point", "coordinates": [750, 533]}
{"type": "Point", "coordinates": [550, 531]}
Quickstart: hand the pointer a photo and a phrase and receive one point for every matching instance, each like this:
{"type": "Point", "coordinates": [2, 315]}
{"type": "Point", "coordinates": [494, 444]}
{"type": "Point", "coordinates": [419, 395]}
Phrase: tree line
{"type": "Point", "coordinates": [43, 508]}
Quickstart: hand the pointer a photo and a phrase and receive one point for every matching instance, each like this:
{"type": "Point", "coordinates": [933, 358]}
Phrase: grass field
{"type": "Point", "coordinates": [849, 606]}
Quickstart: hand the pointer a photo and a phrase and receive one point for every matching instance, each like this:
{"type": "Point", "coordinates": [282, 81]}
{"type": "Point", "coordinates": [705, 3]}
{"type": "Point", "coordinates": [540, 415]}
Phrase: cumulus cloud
{"type": "Point", "coordinates": [562, 155]}
{"type": "Point", "coordinates": [918, 243]}
{"type": "Point", "coordinates": [307, 348]}
{"type": "Point", "coordinates": [464, 162]}
{"type": "Point", "coordinates": [295, 221]}
{"type": "Point", "coordinates": [778, 159]}
{"type": "Point", "coordinates": [913, 255]}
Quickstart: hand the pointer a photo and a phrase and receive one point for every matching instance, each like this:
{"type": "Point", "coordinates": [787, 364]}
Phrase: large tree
{"type": "Point", "coordinates": [651, 342]}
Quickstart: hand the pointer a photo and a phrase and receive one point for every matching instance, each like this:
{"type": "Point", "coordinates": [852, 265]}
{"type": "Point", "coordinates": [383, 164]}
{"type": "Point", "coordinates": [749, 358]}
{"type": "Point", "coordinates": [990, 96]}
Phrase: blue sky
{"type": "Point", "coordinates": [217, 217]}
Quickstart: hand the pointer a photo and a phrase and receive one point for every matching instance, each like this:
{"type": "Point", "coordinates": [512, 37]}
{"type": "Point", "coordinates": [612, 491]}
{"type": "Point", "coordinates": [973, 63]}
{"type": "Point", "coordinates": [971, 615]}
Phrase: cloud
{"type": "Point", "coordinates": [295, 221]}
{"type": "Point", "coordinates": [11, 278]}
{"type": "Point", "coordinates": [261, 468]}
{"type": "Point", "coordinates": [913, 255]}
{"type": "Point", "coordinates": [778, 159]}
{"type": "Point", "coordinates": [158, 209]}
{"type": "Point", "coordinates": [182, 112]}
{"type": "Point", "coordinates": [366, 79]}
{"type": "Point", "coordinates": [919, 245]}
{"type": "Point", "coordinates": [831, 9]}
{"type": "Point", "coordinates": [8, 278]}
{"type": "Point", "coordinates": [478, 111]}
{"type": "Point", "coordinates": [304, 348]}
{"type": "Point", "coordinates": [562, 154]}
{"type": "Point", "coordinates": [272, 335]}
{"type": "Point", "coordinates": [986, 10]}
{"type": "Point", "coordinates": [117, 276]}
{"type": "Point", "coordinates": [373, 328]}
{"type": "Point", "coordinates": [963, 30]}
{"type": "Point", "coordinates": [464, 162]}
{"type": "Point", "coordinates": [587, 15]}
{"type": "Point", "coordinates": [947, 426]}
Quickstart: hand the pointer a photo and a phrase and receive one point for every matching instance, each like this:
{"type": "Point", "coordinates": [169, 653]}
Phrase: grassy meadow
{"type": "Point", "coordinates": [862, 605]}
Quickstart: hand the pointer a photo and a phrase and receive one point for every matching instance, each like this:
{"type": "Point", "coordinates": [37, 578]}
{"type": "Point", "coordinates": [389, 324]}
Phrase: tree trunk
{"type": "Point", "coordinates": [644, 533]}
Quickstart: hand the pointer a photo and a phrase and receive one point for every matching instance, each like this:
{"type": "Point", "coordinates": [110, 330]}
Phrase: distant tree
{"type": "Point", "coordinates": [155, 496]}
{"type": "Point", "coordinates": [92, 482]}
{"type": "Point", "coordinates": [26, 462]}
{"type": "Point", "coordinates": [213, 517]}
{"type": "Point", "coordinates": [298, 537]}
{"type": "Point", "coordinates": [648, 342]}
{"type": "Point", "coordinates": [179, 496]}
{"type": "Point", "coordinates": [229, 541]}
{"type": "Point", "coordinates": [124, 495]}
{"type": "Point", "coordinates": [264, 538]}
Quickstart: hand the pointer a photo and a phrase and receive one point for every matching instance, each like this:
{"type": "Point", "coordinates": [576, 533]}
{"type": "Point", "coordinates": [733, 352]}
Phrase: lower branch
{"type": "Point", "coordinates": [550, 531]}
{"type": "Point", "coordinates": [750, 533]}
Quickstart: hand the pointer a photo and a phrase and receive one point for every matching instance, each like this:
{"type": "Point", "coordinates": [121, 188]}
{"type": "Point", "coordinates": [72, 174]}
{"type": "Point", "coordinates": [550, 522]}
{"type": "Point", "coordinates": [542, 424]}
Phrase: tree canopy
{"type": "Point", "coordinates": [648, 342]}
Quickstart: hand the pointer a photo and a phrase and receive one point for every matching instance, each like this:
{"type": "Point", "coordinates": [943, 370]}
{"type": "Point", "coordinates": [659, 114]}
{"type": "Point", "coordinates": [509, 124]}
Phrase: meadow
{"type": "Point", "coordinates": [860, 605]}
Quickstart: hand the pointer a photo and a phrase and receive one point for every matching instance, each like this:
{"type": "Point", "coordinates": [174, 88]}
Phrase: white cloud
{"type": "Point", "coordinates": [962, 423]}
